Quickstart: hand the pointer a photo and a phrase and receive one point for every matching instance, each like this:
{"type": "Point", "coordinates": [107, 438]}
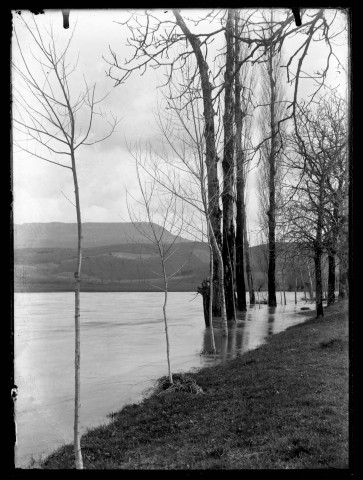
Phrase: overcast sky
{"type": "Point", "coordinates": [107, 169]}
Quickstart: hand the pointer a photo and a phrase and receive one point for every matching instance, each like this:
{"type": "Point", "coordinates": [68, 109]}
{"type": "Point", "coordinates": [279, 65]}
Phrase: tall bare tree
{"type": "Point", "coordinates": [273, 110]}
{"type": "Point", "coordinates": [45, 110]}
{"type": "Point", "coordinates": [161, 215]}
{"type": "Point", "coordinates": [321, 155]}
{"type": "Point", "coordinates": [167, 39]}
{"type": "Point", "coordinates": [211, 150]}
{"type": "Point", "coordinates": [179, 166]}
{"type": "Point", "coordinates": [335, 238]}
{"type": "Point", "coordinates": [244, 86]}
{"type": "Point", "coordinates": [229, 171]}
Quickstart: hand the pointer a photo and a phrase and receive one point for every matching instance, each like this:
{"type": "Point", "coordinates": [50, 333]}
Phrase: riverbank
{"type": "Point", "coordinates": [283, 405]}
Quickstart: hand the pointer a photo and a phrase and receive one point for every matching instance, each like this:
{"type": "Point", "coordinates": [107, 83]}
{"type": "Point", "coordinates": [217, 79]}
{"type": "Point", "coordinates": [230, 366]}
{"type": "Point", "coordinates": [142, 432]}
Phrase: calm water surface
{"type": "Point", "coordinates": [122, 353]}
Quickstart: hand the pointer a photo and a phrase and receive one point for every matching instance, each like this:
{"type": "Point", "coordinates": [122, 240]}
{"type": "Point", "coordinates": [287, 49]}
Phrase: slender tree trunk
{"type": "Point", "coordinates": [251, 287]}
{"type": "Point", "coordinates": [211, 157]}
{"type": "Point", "coordinates": [283, 286]}
{"type": "Point", "coordinates": [318, 255]}
{"type": "Point", "coordinates": [318, 282]}
{"type": "Point", "coordinates": [165, 317]}
{"type": "Point", "coordinates": [343, 276]}
{"type": "Point", "coordinates": [240, 207]}
{"type": "Point", "coordinates": [204, 290]}
{"type": "Point", "coordinates": [332, 249]}
{"type": "Point", "coordinates": [272, 200]}
{"type": "Point", "coordinates": [220, 267]}
{"type": "Point", "coordinates": [303, 283]}
{"type": "Point", "coordinates": [295, 290]}
{"type": "Point", "coordinates": [77, 315]}
{"type": "Point", "coordinates": [211, 298]}
{"type": "Point", "coordinates": [228, 175]}
{"type": "Point", "coordinates": [310, 281]}
{"type": "Point", "coordinates": [240, 274]}
{"type": "Point", "coordinates": [331, 278]}
{"type": "Point", "coordinates": [343, 252]}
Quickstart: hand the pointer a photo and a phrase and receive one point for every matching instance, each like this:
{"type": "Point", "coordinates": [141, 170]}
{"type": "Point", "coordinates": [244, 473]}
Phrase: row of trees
{"type": "Point", "coordinates": [208, 141]}
{"type": "Point", "coordinates": [311, 208]}
{"type": "Point", "coordinates": [221, 87]}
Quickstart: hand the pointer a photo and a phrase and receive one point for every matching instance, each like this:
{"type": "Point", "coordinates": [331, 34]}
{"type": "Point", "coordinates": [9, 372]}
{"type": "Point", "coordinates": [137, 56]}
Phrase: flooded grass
{"type": "Point", "coordinates": [283, 405]}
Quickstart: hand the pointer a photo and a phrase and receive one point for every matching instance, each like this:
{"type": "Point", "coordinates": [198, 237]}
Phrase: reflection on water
{"type": "Point", "coordinates": [270, 319]}
{"type": "Point", "coordinates": [252, 328]}
{"type": "Point", "coordinates": [122, 354]}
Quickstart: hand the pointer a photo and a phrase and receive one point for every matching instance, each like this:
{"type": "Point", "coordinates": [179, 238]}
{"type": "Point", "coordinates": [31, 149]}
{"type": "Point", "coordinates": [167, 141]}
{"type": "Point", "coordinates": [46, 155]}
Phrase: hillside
{"type": "Point", "coordinates": [117, 257]}
{"type": "Point", "coordinates": [64, 235]}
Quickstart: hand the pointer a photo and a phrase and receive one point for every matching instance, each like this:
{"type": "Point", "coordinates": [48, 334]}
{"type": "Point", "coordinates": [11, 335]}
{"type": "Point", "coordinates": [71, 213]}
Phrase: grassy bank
{"type": "Point", "coordinates": [284, 405]}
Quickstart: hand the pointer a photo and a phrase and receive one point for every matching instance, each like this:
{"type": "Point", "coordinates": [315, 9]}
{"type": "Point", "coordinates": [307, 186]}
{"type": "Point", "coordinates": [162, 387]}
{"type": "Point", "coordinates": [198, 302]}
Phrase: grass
{"type": "Point", "coordinates": [284, 405]}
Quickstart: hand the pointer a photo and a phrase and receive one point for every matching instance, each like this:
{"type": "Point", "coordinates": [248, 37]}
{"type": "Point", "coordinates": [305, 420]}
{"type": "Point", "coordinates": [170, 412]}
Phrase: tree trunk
{"type": "Point", "coordinates": [211, 157]}
{"type": "Point", "coordinates": [272, 200]}
{"type": "Point", "coordinates": [240, 207]}
{"type": "Point", "coordinates": [211, 298]}
{"type": "Point", "coordinates": [283, 286]}
{"type": "Point", "coordinates": [303, 282]}
{"type": "Point", "coordinates": [318, 282]}
{"type": "Point", "coordinates": [343, 252]}
{"type": "Point", "coordinates": [331, 278]}
{"type": "Point", "coordinates": [165, 317]}
{"type": "Point", "coordinates": [205, 289]}
{"type": "Point", "coordinates": [318, 253]}
{"type": "Point", "coordinates": [295, 290]}
{"type": "Point", "coordinates": [310, 281]}
{"type": "Point", "coordinates": [220, 267]}
{"type": "Point", "coordinates": [240, 274]}
{"type": "Point", "coordinates": [251, 287]}
{"type": "Point", "coordinates": [343, 276]}
{"type": "Point", "coordinates": [240, 254]}
{"type": "Point", "coordinates": [77, 315]}
{"type": "Point", "coordinates": [228, 175]}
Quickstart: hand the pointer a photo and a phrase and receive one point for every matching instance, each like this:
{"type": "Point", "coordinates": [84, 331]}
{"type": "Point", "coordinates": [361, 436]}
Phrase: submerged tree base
{"type": "Point", "coordinates": [181, 383]}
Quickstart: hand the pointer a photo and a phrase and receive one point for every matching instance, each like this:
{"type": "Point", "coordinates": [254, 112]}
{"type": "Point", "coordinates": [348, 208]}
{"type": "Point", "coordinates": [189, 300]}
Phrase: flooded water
{"type": "Point", "coordinates": [122, 353]}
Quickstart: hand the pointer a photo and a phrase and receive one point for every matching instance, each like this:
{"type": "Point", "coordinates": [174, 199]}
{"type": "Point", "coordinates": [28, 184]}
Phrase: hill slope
{"type": "Point", "coordinates": [124, 267]}
{"type": "Point", "coordinates": [64, 235]}
{"type": "Point", "coordinates": [116, 257]}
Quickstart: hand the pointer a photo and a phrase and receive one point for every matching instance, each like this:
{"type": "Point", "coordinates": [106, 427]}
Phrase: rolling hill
{"type": "Point", "coordinates": [64, 235]}
{"type": "Point", "coordinates": [116, 257]}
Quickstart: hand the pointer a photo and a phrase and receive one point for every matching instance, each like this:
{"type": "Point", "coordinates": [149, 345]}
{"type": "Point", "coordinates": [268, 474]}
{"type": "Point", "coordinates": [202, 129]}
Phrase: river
{"type": "Point", "coordinates": [122, 353]}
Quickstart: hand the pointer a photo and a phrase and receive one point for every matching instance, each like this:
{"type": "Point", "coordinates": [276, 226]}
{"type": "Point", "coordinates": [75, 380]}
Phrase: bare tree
{"type": "Point", "coordinates": [343, 249]}
{"type": "Point", "coordinates": [229, 171]}
{"type": "Point", "coordinates": [240, 180]}
{"type": "Point", "coordinates": [179, 166]}
{"type": "Point", "coordinates": [166, 39]}
{"type": "Point", "coordinates": [188, 143]}
{"type": "Point", "coordinates": [245, 84]}
{"type": "Point", "coordinates": [321, 154]}
{"type": "Point", "coordinates": [272, 111]}
{"type": "Point", "coordinates": [335, 112]}
{"type": "Point", "coordinates": [246, 248]}
{"type": "Point", "coordinates": [211, 150]}
{"type": "Point", "coordinates": [45, 113]}
{"type": "Point", "coordinates": [157, 206]}
{"type": "Point", "coordinates": [154, 36]}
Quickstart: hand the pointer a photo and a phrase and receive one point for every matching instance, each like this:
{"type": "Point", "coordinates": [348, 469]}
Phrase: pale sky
{"type": "Point", "coordinates": [106, 169]}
